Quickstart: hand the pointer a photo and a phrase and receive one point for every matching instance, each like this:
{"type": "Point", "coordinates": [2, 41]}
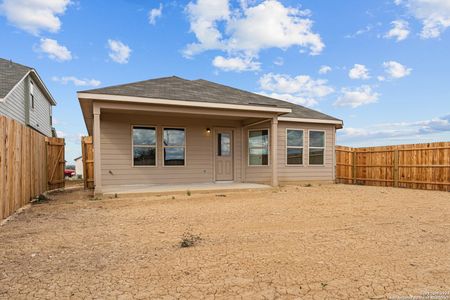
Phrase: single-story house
{"type": "Point", "coordinates": [177, 131]}
{"type": "Point", "coordinates": [25, 98]}
{"type": "Point", "coordinates": [79, 166]}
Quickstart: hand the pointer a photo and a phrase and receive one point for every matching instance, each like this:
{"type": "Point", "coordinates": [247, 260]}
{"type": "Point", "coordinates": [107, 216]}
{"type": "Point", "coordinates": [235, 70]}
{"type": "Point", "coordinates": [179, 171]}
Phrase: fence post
{"type": "Point", "coordinates": [396, 171]}
{"type": "Point", "coordinates": [353, 166]}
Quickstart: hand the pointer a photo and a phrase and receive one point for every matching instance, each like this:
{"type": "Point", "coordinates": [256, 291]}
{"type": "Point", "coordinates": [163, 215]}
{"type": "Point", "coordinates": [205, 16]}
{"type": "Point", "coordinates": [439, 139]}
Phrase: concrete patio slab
{"type": "Point", "coordinates": [168, 188]}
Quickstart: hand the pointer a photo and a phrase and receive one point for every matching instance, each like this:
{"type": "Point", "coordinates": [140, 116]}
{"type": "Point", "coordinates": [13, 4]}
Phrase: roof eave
{"type": "Point", "coordinates": [338, 123]}
{"type": "Point", "coordinates": [144, 100]}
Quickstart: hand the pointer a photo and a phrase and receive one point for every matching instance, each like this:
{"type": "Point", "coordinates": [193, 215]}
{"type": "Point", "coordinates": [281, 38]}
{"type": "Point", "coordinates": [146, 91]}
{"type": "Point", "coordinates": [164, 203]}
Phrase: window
{"type": "Point", "coordinates": [258, 147]}
{"type": "Point", "coordinates": [32, 94]}
{"type": "Point", "coordinates": [294, 147]}
{"type": "Point", "coordinates": [144, 146]}
{"type": "Point", "coordinates": [174, 146]}
{"type": "Point", "coordinates": [316, 147]}
{"type": "Point", "coordinates": [224, 144]}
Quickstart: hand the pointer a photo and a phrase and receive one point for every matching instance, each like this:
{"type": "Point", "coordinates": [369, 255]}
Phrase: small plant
{"type": "Point", "coordinates": [323, 284]}
{"type": "Point", "coordinates": [188, 193]}
{"type": "Point", "coordinates": [189, 240]}
{"type": "Point", "coordinates": [308, 185]}
{"type": "Point", "coordinates": [221, 195]}
{"type": "Point", "coordinates": [173, 197]}
{"type": "Point", "coordinates": [41, 199]}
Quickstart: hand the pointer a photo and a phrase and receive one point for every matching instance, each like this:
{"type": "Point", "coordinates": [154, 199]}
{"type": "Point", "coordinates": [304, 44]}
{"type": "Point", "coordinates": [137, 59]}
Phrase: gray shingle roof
{"type": "Point", "coordinates": [10, 74]}
{"type": "Point", "coordinates": [176, 88]}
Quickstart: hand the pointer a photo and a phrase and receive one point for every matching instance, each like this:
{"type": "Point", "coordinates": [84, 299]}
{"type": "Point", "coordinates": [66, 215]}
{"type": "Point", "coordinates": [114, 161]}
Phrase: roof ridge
{"type": "Point", "coordinates": [18, 64]}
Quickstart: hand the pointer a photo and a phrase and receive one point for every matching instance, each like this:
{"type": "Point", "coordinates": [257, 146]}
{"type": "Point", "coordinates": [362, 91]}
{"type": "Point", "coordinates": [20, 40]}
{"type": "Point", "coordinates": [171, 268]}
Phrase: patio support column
{"type": "Point", "coordinates": [274, 150]}
{"type": "Point", "coordinates": [97, 156]}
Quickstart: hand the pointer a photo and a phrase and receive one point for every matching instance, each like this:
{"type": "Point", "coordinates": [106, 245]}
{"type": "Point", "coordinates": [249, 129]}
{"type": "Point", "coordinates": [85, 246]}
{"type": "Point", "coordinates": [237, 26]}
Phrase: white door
{"type": "Point", "coordinates": [224, 155]}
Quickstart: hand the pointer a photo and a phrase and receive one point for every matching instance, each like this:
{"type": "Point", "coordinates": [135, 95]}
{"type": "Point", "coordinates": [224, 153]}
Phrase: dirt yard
{"type": "Point", "coordinates": [316, 242]}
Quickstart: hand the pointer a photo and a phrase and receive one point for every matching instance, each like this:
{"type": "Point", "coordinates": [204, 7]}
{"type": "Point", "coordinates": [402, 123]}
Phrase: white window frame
{"type": "Point", "coordinates": [268, 148]}
{"type": "Point", "coordinates": [145, 146]}
{"type": "Point", "coordinates": [32, 98]}
{"type": "Point", "coordinates": [164, 147]}
{"type": "Point", "coordinates": [295, 147]}
{"type": "Point", "coordinates": [324, 146]}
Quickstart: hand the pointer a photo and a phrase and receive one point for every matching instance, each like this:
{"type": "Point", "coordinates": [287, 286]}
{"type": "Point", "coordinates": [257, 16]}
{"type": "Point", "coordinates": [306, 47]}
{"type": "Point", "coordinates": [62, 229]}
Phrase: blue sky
{"type": "Point", "coordinates": [380, 65]}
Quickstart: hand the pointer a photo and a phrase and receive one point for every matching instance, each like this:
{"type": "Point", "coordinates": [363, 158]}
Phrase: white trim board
{"type": "Point", "coordinates": [107, 97]}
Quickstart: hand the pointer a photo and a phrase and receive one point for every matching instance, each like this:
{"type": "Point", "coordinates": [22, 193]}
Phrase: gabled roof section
{"type": "Point", "coordinates": [12, 73]}
{"type": "Point", "coordinates": [176, 88]}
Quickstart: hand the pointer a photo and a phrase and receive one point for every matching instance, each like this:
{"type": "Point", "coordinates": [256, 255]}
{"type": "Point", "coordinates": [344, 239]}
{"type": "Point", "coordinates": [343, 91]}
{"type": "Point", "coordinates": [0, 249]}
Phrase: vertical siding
{"type": "Point", "coordinates": [293, 173]}
{"type": "Point", "coordinates": [40, 115]}
{"type": "Point", "coordinates": [116, 150]}
{"type": "Point", "coordinates": [13, 106]}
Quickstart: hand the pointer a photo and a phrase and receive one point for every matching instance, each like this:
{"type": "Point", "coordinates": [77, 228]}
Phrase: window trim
{"type": "Point", "coordinates": [32, 102]}
{"type": "Point", "coordinates": [268, 148]}
{"type": "Point", "coordinates": [324, 146]}
{"type": "Point", "coordinates": [164, 147]}
{"type": "Point", "coordinates": [149, 146]}
{"type": "Point", "coordinates": [295, 147]}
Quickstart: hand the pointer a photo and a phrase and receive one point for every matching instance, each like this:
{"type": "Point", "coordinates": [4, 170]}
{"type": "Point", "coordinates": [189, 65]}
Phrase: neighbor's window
{"type": "Point", "coordinates": [32, 94]}
{"type": "Point", "coordinates": [144, 146]}
{"type": "Point", "coordinates": [174, 142]}
{"type": "Point", "coordinates": [294, 147]}
{"type": "Point", "coordinates": [316, 147]}
{"type": "Point", "coordinates": [258, 147]}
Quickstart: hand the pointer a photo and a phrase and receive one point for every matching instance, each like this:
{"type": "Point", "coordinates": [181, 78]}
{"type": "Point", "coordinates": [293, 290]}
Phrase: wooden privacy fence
{"type": "Point", "coordinates": [416, 166]}
{"type": "Point", "coordinates": [30, 164]}
{"type": "Point", "coordinates": [87, 150]}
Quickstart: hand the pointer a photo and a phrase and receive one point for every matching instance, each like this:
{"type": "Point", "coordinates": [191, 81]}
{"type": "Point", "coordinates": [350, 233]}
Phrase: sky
{"type": "Point", "coordinates": [382, 66]}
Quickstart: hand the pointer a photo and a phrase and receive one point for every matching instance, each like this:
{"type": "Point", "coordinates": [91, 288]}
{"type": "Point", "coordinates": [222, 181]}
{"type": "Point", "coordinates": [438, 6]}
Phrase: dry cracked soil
{"type": "Point", "coordinates": [296, 242]}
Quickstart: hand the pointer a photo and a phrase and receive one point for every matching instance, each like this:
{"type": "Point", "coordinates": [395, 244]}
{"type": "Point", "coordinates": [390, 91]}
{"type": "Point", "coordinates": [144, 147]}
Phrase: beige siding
{"type": "Point", "coordinates": [287, 173]}
{"type": "Point", "coordinates": [116, 150]}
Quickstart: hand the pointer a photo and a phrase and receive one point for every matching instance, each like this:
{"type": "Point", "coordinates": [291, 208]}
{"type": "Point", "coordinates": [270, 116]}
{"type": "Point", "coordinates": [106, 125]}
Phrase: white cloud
{"type": "Point", "coordinates": [301, 89]}
{"type": "Point", "coordinates": [434, 15]}
{"type": "Point", "coordinates": [359, 72]}
{"type": "Point", "coordinates": [396, 70]}
{"type": "Point", "coordinates": [235, 64]}
{"type": "Point", "coordinates": [34, 16]}
{"type": "Point", "coordinates": [279, 61]}
{"type": "Point", "coordinates": [76, 81]}
{"type": "Point", "coordinates": [359, 32]}
{"type": "Point", "coordinates": [325, 69]}
{"type": "Point", "coordinates": [119, 52]}
{"type": "Point", "coordinates": [399, 31]}
{"type": "Point", "coordinates": [356, 97]}
{"type": "Point", "coordinates": [395, 131]}
{"type": "Point", "coordinates": [246, 30]}
{"type": "Point", "coordinates": [54, 50]}
{"type": "Point", "coordinates": [154, 14]}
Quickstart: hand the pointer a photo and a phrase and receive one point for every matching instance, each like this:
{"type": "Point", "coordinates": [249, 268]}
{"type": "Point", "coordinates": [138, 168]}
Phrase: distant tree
{"type": "Point", "coordinates": [70, 167]}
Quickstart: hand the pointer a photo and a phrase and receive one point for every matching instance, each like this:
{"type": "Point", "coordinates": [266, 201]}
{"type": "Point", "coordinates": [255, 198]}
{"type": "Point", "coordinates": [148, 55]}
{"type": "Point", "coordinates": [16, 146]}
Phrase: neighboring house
{"type": "Point", "coordinates": [79, 166]}
{"type": "Point", "coordinates": [173, 130]}
{"type": "Point", "coordinates": [25, 98]}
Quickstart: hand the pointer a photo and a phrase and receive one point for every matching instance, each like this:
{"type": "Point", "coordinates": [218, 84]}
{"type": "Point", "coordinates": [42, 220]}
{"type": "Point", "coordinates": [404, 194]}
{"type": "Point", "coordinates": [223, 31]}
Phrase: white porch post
{"type": "Point", "coordinates": [274, 150]}
{"type": "Point", "coordinates": [97, 156]}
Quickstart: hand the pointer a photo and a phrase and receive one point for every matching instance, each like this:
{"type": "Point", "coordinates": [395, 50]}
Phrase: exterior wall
{"type": "Point", "coordinates": [116, 150]}
{"type": "Point", "coordinates": [286, 174]}
{"type": "Point", "coordinates": [40, 115]}
{"type": "Point", "coordinates": [13, 106]}
{"type": "Point", "coordinates": [79, 167]}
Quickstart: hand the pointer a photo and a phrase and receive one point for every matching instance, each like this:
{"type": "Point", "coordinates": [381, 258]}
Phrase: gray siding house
{"type": "Point", "coordinates": [25, 98]}
{"type": "Point", "coordinates": [177, 131]}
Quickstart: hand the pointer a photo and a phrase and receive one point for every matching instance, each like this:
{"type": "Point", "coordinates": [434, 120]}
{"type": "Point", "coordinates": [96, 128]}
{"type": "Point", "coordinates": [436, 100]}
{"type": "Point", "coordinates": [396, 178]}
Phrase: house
{"type": "Point", "coordinates": [79, 166]}
{"type": "Point", "coordinates": [25, 98]}
{"type": "Point", "coordinates": [177, 131]}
